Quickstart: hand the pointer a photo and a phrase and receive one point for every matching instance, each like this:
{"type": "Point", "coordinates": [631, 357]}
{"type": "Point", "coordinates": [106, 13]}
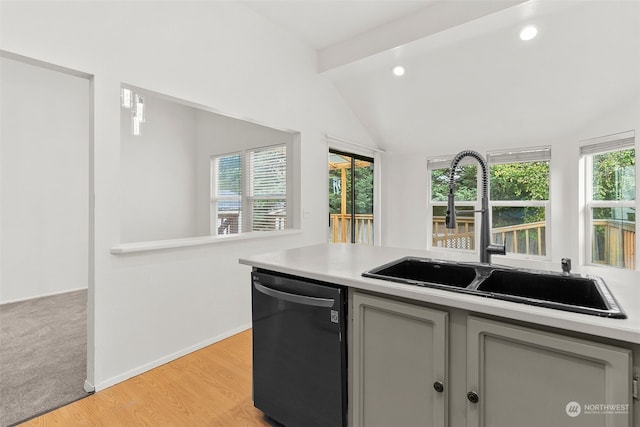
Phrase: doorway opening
{"type": "Point", "coordinates": [351, 201]}
{"type": "Point", "coordinates": [46, 229]}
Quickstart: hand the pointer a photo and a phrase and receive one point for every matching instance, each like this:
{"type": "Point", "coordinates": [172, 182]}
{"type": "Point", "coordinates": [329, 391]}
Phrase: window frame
{"type": "Point", "coordinates": [246, 199]}
{"type": "Point", "coordinates": [524, 155]}
{"type": "Point", "coordinates": [214, 198]}
{"type": "Point", "coordinates": [442, 162]}
{"type": "Point", "coordinates": [588, 149]}
{"type": "Point", "coordinates": [251, 199]}
{"type": "Point", "coordinates": [528, 154]}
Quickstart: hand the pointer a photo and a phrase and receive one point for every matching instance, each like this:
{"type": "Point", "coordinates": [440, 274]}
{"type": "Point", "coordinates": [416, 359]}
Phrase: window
{"type": "Point", "coordinates": [466, 195]}
{"type": "Point", "coordinates": [262, 206]}
{"type": "Point", "coordinates": [610, 181]}
{"type": "Point", "coordinates": [267, 188]}
{"type": "Point", "coordinates": [519, 200]}
{"type": "Point", "coordinates": [226, 199]}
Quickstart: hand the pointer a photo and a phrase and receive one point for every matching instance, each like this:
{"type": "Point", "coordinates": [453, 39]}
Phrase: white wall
{"type": "Point", "coordinates": [44, 194]}
{"type": "Point", "coordinates": [148, 308]}
{"type": "Point", "coordinates": [158, 173]}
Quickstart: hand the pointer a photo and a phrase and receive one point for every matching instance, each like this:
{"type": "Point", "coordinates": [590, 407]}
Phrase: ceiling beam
{"type": "Point", "coordinates": [433, 19]}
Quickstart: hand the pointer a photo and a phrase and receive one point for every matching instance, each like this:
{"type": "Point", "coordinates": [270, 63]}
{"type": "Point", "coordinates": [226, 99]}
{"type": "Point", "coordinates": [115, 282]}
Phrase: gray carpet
{"type": "Point", "coordinates": [43, 355]}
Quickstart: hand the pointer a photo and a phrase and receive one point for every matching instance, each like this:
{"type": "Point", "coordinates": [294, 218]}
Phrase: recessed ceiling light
{"type": "Point", "coordinates": [528, 32]}
{"type": "Point", "coordinates": [398, 70]}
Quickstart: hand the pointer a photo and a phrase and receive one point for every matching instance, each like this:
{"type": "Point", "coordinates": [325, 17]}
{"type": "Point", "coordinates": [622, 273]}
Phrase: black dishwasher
{"type": "Point", "coordinates": [299, 350]}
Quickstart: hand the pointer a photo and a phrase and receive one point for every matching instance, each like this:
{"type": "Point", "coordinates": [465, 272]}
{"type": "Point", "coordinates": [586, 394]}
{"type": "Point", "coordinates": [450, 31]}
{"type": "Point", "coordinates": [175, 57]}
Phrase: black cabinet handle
{"type": "Point", "coordinates": [438, 386]}
{"type": "Point", "coordinates": [473, 397]}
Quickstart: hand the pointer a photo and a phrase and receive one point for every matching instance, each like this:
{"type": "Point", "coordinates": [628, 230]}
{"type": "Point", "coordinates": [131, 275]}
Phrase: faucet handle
{"type": "Point", "coordinates": [566, 266]}
{"type": "Point", "coordinates": [495, 249]}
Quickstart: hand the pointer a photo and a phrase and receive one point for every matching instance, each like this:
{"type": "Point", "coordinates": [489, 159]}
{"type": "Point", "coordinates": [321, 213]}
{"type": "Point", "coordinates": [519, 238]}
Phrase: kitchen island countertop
{"type": "Point", "coordinates": [344, 264]}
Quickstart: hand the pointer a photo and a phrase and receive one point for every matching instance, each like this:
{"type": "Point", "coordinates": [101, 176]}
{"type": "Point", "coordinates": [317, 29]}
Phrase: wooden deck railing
{"type": "Point", "coordinates": [525, 239]}
{"type": "Point", "coordinates": [614, 243]}
{"type": "Point", "coordinates": [462, 238]}
{"type": "Point", "coordinates": [528, 239]}
{"type": "Point", "coordinates": [340, 228]}
{"type": "Point", "coordinates": [228, 223]}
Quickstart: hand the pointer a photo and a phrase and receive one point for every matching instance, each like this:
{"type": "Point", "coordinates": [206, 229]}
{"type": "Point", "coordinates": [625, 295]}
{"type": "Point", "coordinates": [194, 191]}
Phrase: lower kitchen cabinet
{"type": "Point", "coordinates": [416, 365]}
{"type": "Point", "coordinates": [518, 376]}
{"type": "Point", "coordinates": [399, 364]}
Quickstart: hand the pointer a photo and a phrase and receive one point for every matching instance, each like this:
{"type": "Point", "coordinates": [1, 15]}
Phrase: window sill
{"type": "Point", "coordinates": [508, 260]}
{"type": "Point", "coordinates": [156, 245]}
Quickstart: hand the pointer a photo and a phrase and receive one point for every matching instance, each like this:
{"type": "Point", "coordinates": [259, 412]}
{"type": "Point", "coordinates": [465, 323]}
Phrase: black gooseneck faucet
{"type": "Point", "coordinates": [486, 248]}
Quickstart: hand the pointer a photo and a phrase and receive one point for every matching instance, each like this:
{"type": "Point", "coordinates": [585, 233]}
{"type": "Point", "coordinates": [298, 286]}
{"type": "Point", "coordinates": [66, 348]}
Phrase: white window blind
{"type": "Point", "coordinates": [609, 143]}
{"type": "Point", "coordinates": [436, 163]}
{"type": "Point", "coordinates": [267, 187]}
{"type": "Point", "coordinates": [538, 154]}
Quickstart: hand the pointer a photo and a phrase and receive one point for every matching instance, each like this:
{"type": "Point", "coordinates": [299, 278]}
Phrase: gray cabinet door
{"type": "Point", "coordinates": [523, 377]}
{"type": "Point", "coordinates": [399, 351]}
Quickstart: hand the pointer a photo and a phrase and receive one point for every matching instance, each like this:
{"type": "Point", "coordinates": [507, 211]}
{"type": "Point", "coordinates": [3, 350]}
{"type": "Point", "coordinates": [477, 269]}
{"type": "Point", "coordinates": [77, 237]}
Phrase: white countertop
{"type": "Point", "coordinates": [344, 264]}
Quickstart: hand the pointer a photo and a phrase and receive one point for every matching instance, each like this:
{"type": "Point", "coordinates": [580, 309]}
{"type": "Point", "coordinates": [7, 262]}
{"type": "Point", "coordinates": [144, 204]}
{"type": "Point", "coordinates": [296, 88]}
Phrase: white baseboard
{"type": "Point", "coordinates": [147, 367]}
{"type": "Point", "coordinates": [66, 291]}
{"type": "Point", "coordinates": [88, 387]}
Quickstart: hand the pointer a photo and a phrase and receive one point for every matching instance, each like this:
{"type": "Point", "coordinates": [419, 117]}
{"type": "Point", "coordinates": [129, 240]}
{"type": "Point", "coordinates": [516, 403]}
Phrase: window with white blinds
{"type": "Point", "coordinates": [267, 188]}
{"type": "Point", "coordinates": [249, 191]}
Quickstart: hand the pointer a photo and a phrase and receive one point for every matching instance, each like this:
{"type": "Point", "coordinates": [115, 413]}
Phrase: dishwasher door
{"type": "Point", "coordinates": [299, 351]}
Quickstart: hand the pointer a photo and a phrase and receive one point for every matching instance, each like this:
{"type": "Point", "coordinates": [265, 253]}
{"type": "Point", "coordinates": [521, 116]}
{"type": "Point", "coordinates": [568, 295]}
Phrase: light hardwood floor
{"type": "Point", "coordinates": [210, 387]}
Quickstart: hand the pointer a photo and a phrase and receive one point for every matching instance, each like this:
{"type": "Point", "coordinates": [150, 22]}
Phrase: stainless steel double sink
{"type": "Point", "coordinates": [570, 292]}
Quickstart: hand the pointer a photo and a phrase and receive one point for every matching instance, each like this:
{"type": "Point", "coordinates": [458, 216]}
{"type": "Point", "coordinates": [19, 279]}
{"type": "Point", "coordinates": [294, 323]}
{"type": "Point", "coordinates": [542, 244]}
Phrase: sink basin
{"type": "Point", "coordinates": [583, 294]}
{"type": "Point", "coordinates": [574, 292]}
{"type": "Point", "coordinates": [425, 272]}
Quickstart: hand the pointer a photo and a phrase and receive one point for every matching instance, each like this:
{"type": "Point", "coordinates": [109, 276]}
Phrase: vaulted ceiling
{"type": "Point", "coordinates": [469, 78]}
